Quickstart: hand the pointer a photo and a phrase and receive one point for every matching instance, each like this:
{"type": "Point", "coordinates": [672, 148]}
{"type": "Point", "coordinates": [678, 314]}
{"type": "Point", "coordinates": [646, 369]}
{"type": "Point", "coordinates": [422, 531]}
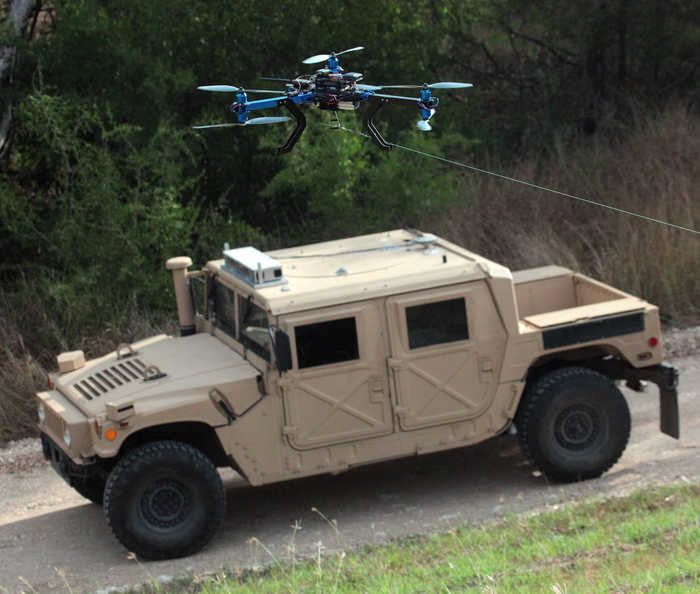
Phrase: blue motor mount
{"type": "Point", "coordinates": [239, 107]}
{"type": "Point", "coordinates": [428, 103]}
{"type": "Point", "coordinates": [333, 63]}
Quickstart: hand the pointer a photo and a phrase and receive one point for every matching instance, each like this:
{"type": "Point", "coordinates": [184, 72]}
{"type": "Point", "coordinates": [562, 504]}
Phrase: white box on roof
{"type": "Point", "coordinates": [254, 266]}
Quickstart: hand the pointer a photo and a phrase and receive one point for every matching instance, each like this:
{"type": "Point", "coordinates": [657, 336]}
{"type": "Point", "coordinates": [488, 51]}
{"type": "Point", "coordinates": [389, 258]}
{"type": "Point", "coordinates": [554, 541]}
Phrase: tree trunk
{"type": "Point", "coordinates": [18, 14]}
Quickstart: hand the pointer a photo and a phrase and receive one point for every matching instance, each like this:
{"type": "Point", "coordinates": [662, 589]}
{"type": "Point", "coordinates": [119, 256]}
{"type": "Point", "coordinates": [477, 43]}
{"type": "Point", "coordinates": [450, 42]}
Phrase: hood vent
{"type": "Point", "coordinates": [110, 378]}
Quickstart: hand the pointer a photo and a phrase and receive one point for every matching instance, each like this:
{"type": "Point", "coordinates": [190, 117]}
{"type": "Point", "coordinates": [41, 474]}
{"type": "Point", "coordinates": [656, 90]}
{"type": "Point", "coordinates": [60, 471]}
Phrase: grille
{"type": "Point", "coordinates": [54, 423]}
{"type": "Point", "coordinates": [111, 378]}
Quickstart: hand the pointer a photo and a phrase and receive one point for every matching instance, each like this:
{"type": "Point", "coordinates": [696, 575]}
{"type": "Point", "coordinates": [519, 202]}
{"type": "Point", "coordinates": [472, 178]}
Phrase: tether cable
{"type": "Point", "coordinates": [519, 181]}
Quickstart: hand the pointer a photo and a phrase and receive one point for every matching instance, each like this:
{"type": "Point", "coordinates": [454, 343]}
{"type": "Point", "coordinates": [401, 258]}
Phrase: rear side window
{"type": "Point", "coordinates": [326, 342]}
{"type": "Point", "coordinates": [437, 323]}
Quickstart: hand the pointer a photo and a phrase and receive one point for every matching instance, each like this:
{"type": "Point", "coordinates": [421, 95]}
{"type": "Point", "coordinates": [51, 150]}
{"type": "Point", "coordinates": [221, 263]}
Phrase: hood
{"type": "Point", "coordinates": [175, 366]}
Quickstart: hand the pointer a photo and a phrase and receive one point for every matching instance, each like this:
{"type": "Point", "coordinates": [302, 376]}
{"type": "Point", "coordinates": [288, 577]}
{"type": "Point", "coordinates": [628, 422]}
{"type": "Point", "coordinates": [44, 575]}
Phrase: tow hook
{"type": "Point", "coordinates": [670, 376]}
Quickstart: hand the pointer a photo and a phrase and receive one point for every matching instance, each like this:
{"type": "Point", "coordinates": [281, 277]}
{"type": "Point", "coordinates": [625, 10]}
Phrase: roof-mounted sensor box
{"type": "Point", "coordinates": [254, 267]}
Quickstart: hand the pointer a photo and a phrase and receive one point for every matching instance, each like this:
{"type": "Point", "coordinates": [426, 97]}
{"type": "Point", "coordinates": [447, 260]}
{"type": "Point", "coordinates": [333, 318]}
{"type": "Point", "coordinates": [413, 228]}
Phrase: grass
{"type": "Point", "coordinates": [643, 542]}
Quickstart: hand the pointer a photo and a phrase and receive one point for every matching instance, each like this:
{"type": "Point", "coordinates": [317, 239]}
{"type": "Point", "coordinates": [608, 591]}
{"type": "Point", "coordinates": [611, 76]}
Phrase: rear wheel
{"type": "Point", "coordinates": [164, 500]}
{"type": "Point", "coordinates": [573, 424]}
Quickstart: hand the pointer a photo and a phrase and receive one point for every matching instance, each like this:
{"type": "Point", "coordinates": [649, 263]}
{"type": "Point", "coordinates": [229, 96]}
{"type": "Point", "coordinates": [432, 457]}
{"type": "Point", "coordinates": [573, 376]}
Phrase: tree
{"type": "Point", "coordinates": [18, 13]}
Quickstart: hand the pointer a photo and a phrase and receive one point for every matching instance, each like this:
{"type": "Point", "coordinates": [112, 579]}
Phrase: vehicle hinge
{"type": "Point", "coordinates": [400, 411]}
{"type": "Point", "coordinates": [290, 431]}
{"type": "Point", "coordinates": [395, 363]}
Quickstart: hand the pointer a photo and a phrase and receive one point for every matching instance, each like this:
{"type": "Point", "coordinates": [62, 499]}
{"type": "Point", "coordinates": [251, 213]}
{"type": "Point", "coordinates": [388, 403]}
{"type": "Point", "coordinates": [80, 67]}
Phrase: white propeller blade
{"type": "Point", "coordinates": [354, 49]}
{"type": "Point", "coordinates": [323, 57]}
{"type": "Point", "coordinates": [254, 121]}
{"type": "Point", "coordinates": [267, 120]}
{"type": "Point", "coordinates": [439, 85]}
{"type": "Point", "coordinates": [215, 126]}
{"type": "Point", "coordinates": [424, 126]}
{"type": "Point", "coordinates": [316, 59]}
{"type": "Point", "coordinates": [230, 89]}
{"type": "Point", "coordinates": [450, 85]}
{"type": "Point", "coordinates": [219, 88]}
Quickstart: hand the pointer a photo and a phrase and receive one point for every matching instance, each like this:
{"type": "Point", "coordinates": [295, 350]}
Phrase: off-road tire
{"type": "Point", "coordinates": [573, 424]}
{"type": "Point", "coordinates": [164, 500]}
{"type": "Point", "coordinates": [92, 488]}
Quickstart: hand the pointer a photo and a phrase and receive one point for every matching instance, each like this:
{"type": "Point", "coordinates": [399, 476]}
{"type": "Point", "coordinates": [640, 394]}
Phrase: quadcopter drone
{"type": "Point", "coordinates": [330, 89]}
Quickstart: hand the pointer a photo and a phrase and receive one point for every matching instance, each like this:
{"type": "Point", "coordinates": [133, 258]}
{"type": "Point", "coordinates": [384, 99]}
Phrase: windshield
{"type": "Point", "coordinates": [240, 318]}
{"type": "Point", "coordinates": [253, 324]}
{"type": "Point", "coordinates": [224, 314]}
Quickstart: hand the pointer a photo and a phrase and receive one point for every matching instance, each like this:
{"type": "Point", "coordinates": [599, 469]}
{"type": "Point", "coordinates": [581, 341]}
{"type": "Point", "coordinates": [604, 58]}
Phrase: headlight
{"type": "Point", "coordinates": [66, 435]}
{"type": "Point", "coordinates": [42, 413]}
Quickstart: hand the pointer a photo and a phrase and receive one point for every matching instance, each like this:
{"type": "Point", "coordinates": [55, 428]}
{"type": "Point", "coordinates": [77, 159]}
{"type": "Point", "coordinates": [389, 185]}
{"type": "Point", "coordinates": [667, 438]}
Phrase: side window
{"type": "Point", "coordinates": [437, 323]}
{"type": "Point", "coordinates": [225, 309]}
{"type": "Point", "coordinates": [326, 342]}
{"type": "Point", "coordinates": [253, 324]}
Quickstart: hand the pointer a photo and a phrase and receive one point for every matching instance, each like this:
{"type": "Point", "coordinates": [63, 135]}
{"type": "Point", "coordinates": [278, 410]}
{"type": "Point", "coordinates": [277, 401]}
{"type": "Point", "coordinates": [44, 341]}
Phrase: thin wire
{"type": "Point", "coordinates": [627, 212]}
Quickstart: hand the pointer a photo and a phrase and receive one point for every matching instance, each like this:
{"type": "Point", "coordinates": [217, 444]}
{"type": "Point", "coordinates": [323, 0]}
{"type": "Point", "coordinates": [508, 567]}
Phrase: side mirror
{"type": "Point", "coordinates": [283, 350]}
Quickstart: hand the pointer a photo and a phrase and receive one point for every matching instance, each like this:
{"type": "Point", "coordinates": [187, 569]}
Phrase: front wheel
{"type": "Point", "coordinates": [164, 500]}
{"type": "Point", "coordinates": [92, 488]}
{"type": "Point", "coordinates": [573, 424]}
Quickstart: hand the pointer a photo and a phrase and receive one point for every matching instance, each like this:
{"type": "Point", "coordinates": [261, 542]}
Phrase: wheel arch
{"type": "Point", "coordinates": [199, 435]}
{"type": "Point", "coordinates": [590, 357]}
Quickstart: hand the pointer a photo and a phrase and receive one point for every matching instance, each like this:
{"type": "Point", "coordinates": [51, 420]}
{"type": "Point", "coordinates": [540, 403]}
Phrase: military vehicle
{"type": "Point", "coordinates": [319, 358]}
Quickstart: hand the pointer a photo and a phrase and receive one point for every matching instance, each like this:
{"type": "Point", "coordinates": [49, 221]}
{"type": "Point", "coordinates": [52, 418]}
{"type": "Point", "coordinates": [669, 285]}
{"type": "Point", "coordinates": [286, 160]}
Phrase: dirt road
{"type": "Point", "coordinates": [45, 526]}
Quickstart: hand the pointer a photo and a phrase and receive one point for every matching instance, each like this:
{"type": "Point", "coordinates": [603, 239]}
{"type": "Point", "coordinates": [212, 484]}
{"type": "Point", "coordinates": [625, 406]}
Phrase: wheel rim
{"type": "Point", "coordinates": [165, 504]}
{"type": "Point", "coordinates": [577, 427]}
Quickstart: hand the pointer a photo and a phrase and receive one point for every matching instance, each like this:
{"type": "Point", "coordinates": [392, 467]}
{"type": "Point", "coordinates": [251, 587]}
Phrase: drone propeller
{"type": "Point", "coordinates": [368, 88]}
{"type": "Point", "coordinates": [424, 126]}
{"type": "Point", "coordinates": [438, 85]}
{"type": "Point", "coordinates": [254, 121]}
{"type": "Point", "coordinates": [230, 89]}
{"type": "Point", "coordinates": [324, 57]}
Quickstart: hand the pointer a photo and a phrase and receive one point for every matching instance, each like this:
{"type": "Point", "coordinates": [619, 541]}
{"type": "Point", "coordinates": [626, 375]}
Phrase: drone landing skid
{"type": "Point", "coordinates": [373, 108]}
{"type": "Point", "coordinates": [301, 125]}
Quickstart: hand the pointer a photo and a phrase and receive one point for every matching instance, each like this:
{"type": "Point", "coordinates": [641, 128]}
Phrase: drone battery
{"type": "Point", "coordinates": [352, 77]}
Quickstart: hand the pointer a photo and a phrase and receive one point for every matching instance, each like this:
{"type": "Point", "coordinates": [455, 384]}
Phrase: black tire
{"type": "Point", "coordinates": [164, 500]}
{"type": "Point", "coordinates": [573, 424]}
{"type": "Point", "coordinates": [92, 488]}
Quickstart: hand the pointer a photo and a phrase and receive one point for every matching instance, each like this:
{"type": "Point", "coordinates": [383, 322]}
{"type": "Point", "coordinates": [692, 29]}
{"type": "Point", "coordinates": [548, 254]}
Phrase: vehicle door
{"type": "Point", "coordinates": [337, 389]}
{"type": "Point", "coordinates": [446, 353]}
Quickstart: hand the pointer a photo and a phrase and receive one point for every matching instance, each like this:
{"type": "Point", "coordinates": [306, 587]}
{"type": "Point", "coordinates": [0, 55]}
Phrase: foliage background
{"type": "Point", "coordinates": [106, 178]}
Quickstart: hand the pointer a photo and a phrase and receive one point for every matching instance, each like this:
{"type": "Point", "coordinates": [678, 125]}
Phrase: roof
{"type": "Point", "coordinates": [365, 267]}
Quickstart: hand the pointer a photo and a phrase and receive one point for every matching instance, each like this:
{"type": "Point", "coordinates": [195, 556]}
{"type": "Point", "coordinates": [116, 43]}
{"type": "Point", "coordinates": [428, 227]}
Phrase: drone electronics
{"type": "Point", "coordinates": [330, 89]}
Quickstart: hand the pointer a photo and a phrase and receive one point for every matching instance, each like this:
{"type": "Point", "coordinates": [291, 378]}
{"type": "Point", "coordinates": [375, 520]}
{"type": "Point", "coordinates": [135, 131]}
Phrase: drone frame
{"type": "Point", "coordinates": [359, 94]}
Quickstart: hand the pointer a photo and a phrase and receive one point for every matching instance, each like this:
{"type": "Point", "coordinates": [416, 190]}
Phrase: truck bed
{"type": "Point", "coordinates": [553, 296]}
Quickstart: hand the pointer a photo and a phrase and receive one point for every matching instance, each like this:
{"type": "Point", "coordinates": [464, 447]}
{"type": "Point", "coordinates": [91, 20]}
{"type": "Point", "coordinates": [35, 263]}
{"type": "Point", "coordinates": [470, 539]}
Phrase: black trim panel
{"type": "Point", "coordinates": [63, 465]}
{"type": "Point", "coordinates": [593, 330]}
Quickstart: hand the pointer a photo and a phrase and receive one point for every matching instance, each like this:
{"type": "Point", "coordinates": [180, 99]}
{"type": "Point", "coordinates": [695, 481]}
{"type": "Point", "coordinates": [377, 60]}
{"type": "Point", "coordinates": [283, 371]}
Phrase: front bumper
{"type": "Point", "coordinates": [68, 470]}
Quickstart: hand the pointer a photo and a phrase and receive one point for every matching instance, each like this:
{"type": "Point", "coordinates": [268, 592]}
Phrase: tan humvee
{"type": "Point", "coordinates": [319, 358]}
